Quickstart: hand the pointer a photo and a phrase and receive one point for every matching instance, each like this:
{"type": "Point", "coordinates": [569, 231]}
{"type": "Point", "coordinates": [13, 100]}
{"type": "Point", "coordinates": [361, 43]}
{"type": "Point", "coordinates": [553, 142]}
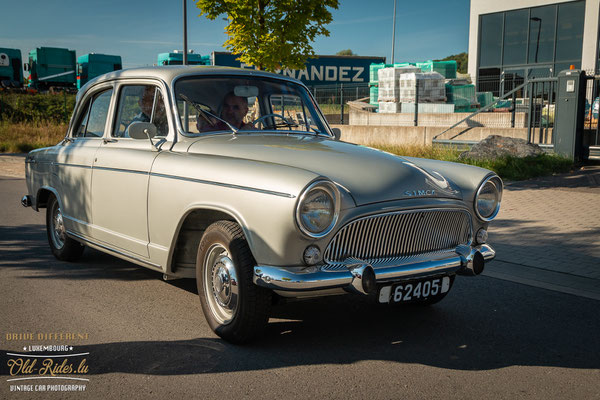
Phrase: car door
{"type": "Point", "coordinates": [74, 159]}
{"type": "Point", "coordinates": [122, 165]}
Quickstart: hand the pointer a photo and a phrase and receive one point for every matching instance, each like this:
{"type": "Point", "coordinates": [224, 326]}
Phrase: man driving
{"type": "Point", "coordinates": [233, 111]}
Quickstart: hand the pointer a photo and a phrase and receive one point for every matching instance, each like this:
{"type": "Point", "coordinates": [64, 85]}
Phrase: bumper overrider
{"type": "Point", "coordinates": [358, 276]}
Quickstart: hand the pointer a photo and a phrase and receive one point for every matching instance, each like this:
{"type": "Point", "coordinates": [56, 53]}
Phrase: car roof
{"type": "Point", "coordinates": [170, 72]}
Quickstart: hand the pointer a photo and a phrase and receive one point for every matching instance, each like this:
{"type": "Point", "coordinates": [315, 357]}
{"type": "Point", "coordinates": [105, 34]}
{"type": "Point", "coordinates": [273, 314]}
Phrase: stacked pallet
{"type": "Point", "coordinates": [431, 86]}
{"type": "Point", "coordinates": [389, 87]}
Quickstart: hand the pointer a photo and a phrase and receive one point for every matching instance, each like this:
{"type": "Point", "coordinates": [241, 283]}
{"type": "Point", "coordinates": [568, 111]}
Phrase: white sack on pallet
{"type": "Point", "coordinates": [432, 87]}
{"type": "Point", "coordinates": [388, 107]}
{"type": "Point", "coordinates": [389, 82]}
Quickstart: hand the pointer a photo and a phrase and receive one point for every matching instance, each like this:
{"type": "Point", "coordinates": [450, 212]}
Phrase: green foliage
{"type": "Point", "coordinates": [346, 52]}
{"type": "Point", "coordinates": [462, 61]}
{"type": "Point", "coordinates": [36, 108]}
{"type": "Point", "coordinates": [510, 168]}
{"type": "Point", "coordinates": [271, 34]}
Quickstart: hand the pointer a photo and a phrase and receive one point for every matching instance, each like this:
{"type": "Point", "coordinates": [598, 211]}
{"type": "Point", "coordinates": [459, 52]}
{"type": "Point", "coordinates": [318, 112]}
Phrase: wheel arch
{"type": "Point", "coordinates": [189, 231]}
{"type": "Point", "coordinates": [43, 195]}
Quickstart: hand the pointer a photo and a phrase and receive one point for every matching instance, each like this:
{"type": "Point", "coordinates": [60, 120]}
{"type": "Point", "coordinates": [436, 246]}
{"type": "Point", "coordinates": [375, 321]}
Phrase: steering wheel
{"type": "Point", "coordinates": [261, 121]}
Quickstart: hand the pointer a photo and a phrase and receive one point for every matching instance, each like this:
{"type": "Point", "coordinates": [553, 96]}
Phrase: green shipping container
{"type": "Point", "coordinates": [52, 66]}
{"type": "Point", "coordinates": [11, 72]}
{"type": "Point", "coordinates": [92, 65]}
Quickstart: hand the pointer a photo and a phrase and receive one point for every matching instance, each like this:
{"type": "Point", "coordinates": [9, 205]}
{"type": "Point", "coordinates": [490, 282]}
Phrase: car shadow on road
{"type": "Point", "coordinates": [483, 324]}
{"type": "Point", "coordinates": [26, 248]}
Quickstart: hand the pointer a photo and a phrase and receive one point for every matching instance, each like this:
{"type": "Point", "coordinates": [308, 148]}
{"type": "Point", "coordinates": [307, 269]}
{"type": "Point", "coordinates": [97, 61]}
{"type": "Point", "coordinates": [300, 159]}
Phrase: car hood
{"type": "Point", "coordinates": [369, 175]}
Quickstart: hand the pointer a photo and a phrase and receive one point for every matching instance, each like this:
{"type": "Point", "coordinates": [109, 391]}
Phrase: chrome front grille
{"type": "Point", "coordinates": [384, 237]}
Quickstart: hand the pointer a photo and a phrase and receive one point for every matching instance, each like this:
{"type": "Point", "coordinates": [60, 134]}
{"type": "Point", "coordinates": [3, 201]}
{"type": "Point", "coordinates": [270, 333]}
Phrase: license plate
{"type": "Point", "coordinates": [414, 290]}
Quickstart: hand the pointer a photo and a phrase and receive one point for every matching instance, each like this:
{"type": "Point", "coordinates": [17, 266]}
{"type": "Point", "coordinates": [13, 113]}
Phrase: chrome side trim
{"type": "Point", "coordinates": [71, 165]}
{"type": "Point", "coordinates": [228, 185]}
{"type": "Point", "coordinates": [131, 171]}
{"type": "Point", "coordinates": [300, 279]}
{"type": "Point", "coordinates": [113, 250]}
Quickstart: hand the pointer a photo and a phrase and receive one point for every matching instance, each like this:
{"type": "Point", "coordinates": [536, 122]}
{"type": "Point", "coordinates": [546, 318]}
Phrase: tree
{"type": "Point", "coordinates": [271, 34]}
{"type": "Point", "coordinates": [462, 61]}
{"type": "Point", "coordinates": [346, 52]}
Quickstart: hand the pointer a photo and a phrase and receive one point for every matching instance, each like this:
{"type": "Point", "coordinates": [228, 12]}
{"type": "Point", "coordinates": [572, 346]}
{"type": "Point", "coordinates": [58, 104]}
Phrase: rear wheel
{"type": "Point", "coordinates": [235, 308]}
{"type": "Point", "coordinates": [63, 247]}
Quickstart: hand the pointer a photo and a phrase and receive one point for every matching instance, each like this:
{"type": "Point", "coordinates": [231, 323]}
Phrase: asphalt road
{"type": "Point", "coordinates": [147, 338]}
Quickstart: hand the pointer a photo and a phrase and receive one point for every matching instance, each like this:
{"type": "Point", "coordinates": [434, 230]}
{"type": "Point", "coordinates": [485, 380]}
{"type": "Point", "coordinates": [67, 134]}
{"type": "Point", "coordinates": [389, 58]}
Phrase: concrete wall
{"type": "Point", "coordinates": [590, 29]}
{"type": "Point", "coordinates": [418, 135]}
{"type": "Point", "coordinates": [485, 119]}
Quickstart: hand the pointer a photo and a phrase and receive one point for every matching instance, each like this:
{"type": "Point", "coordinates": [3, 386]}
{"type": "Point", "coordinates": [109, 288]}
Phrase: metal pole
{"type": "Point", "coordinates": [186, 115]}
{"type": "Point", "coordinates": [416, 102]}
{"type": "Point", "coordinates": [530, 112]}
{"type": "Point", "coordinates": [342, 104]}
{"type": "Point", "coordinates": [514, 108]}
{"type": "Point", "coordinates": [185, 50]}
{"type": "Point", "coordinates": [394, 32]}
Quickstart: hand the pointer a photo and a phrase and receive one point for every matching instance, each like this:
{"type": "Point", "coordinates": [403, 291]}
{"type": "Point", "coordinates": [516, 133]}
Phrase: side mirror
{"type": "Point", "coordinates": [142, 130]}
{"type": "Point", "coordinates": [337, 133]}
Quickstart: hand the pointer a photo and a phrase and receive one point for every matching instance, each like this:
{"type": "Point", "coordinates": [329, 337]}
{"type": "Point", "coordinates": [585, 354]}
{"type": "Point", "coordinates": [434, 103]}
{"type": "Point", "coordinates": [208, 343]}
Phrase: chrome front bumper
{"type": "Point", "coordinates": [358, 276]}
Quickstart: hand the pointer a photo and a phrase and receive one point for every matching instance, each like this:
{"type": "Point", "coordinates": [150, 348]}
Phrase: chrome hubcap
{"type": "Point", "coordinates": [58, 232]}
{"type": "Point", "coordinates": [220, 284]}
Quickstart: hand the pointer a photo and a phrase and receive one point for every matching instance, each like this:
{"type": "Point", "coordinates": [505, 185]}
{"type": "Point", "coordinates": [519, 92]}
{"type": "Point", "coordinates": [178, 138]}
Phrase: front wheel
{"type": "Point", "coordinates": [235, 308]}
{"type": "Point", "coordinates": [63, 247]}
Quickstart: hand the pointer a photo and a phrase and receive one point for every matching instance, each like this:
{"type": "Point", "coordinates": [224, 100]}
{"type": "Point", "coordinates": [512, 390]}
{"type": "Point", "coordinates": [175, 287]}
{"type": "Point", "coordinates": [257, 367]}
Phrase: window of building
{"type": "Point", "coordinates": [491, 39]}
{"type": "Point", "coordinates": [569, 32]}
{"type": "Point", "coordinates": [515, 37]}
{"type": "Point", "coordinates": [530, 42]}
{"type": "Point", "coordinates": [542, 22]}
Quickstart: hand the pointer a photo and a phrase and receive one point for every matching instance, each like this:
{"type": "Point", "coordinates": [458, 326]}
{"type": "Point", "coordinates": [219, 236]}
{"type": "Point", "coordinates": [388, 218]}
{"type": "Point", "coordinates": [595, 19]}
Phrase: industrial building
{"type": "Point", "coordinates": [513, 40]}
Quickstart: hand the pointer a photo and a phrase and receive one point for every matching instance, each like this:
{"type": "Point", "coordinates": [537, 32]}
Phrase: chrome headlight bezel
{"type": "Point", "coordinates": [498, 185]}
{"type": "Point", "coordinates": [332, 191]}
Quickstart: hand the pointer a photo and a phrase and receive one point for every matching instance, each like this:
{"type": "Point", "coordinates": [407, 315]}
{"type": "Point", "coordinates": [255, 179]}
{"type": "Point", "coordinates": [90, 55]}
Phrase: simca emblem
{"type": "Point", "coordinates": [414, 193]}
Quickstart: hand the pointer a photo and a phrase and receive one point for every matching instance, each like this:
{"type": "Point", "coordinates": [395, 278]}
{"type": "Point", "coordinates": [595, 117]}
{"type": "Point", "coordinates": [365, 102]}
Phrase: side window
{"type": "Point", "coordinates": [98, 114]}
{"type": "Point", "coordinates": [140, 103]}
{"type": "Point", "coordinates": [83, 119]}
{"type": "Point", "coordinates": [93, 121]}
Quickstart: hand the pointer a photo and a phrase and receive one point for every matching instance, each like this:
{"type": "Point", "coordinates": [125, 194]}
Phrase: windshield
{"type": "Point", "coordinates": [246, 104]}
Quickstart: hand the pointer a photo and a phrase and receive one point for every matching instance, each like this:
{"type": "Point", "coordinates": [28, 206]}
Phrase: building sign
{"type": "Point", "coordinates": [319, 70]}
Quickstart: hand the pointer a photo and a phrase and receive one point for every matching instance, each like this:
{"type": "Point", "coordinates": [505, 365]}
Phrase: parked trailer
{"type": "Point", "coordinates": [318, 70]}
{"type": "Point", "coordinates": [51, 67]}
{"type": "Point", "coordinates": [92, 65]}
{"type": "Point", "coordinates": [176, 58]}
{"type": "Point", "coordinates": [11, 74]}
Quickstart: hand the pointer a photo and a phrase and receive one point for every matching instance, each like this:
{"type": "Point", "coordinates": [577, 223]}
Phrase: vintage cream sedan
{"type": "Point", "coordinates": [233, 177]}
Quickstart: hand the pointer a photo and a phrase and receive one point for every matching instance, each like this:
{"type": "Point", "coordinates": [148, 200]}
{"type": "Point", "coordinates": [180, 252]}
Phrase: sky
{"type": "Point", "coordinates": [139, 30]}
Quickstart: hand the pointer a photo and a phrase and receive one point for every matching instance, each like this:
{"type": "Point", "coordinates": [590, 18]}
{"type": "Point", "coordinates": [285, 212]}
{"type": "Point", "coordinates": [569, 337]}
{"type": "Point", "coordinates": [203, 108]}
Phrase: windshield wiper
{"type": "Point", "coordinates": [205, 114]}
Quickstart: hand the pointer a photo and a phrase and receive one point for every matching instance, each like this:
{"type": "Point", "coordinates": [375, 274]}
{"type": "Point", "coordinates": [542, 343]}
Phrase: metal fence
{"type": "Point", "coordinates": [332, 99]}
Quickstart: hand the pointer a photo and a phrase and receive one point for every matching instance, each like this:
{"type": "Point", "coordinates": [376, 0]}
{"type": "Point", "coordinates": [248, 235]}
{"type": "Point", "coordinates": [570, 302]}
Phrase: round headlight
{"type": "Point", "coordinates": [487, 200]}
{"type": "Point", "coordinates": [318, 209]}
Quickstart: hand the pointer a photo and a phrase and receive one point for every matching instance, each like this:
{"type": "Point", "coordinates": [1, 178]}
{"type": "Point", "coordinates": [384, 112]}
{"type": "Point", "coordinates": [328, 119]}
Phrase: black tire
{"type": "Point", "coordinates": [224, 266]}
{"type": "Point", "coordinates": [63, 247]}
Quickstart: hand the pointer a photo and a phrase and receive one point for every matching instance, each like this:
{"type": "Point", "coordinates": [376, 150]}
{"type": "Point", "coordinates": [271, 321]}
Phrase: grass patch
{"type": "Point", "coordinates": [24, 137]}
{"type": "Point", "coordinates": [509, 168]}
